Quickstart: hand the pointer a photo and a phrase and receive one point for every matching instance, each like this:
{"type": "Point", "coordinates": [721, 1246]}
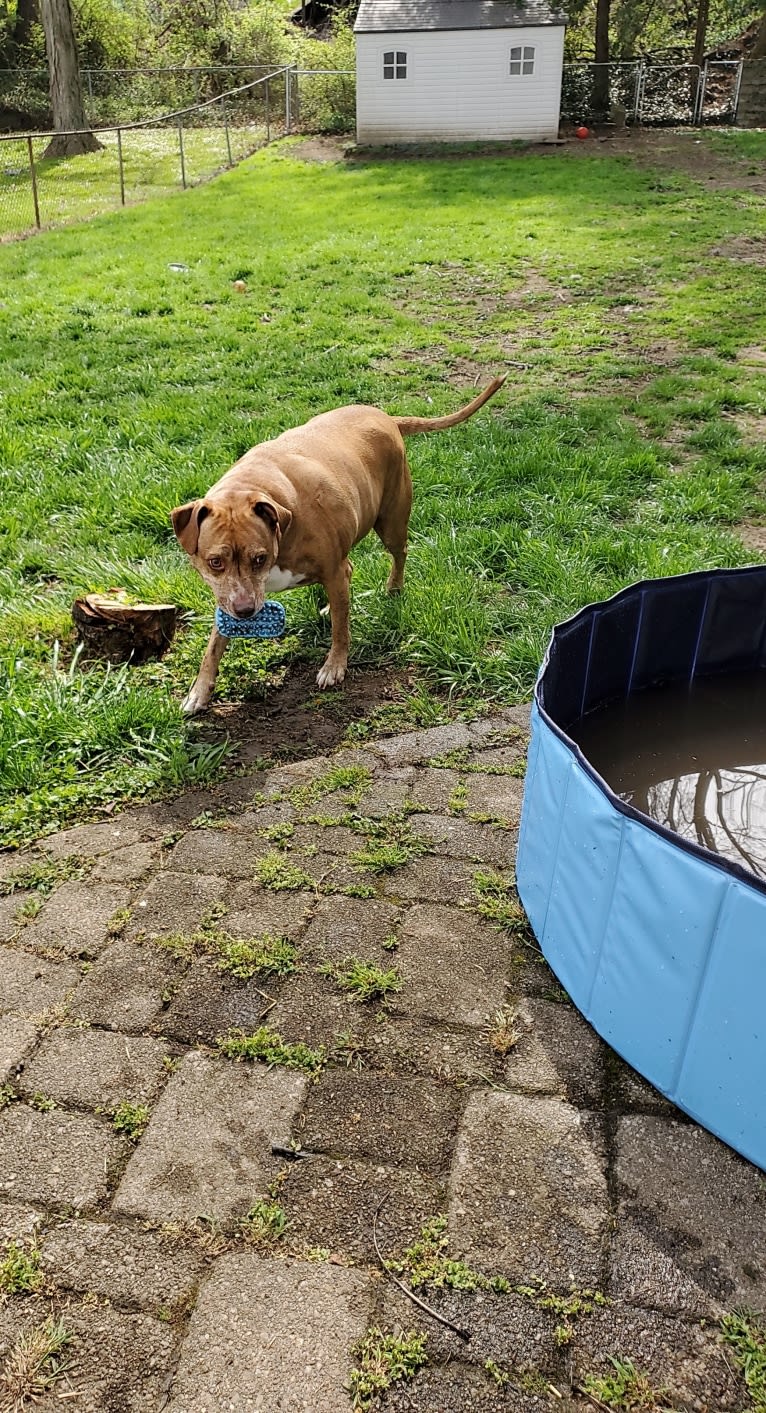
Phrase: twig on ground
{"type": "Point", "coordinates": [456, 1329]}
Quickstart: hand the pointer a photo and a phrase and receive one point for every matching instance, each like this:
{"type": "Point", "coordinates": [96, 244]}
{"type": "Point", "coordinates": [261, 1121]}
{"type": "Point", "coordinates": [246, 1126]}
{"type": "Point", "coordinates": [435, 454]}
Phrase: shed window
{"type": "Point", "coordinates": [522, 59]}
{"type": "Point", "coordinates": [395, 64]}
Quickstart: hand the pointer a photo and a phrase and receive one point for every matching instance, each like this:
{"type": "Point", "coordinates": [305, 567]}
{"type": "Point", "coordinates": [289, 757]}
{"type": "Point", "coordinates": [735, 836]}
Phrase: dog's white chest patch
{"type": "Point", "coordinates": [279, 579]}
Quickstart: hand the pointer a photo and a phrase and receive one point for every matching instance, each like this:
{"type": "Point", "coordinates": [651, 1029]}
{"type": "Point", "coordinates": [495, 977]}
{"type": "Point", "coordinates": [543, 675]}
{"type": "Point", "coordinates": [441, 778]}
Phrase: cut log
{"type": "Point", "coordinates": [114, 629]}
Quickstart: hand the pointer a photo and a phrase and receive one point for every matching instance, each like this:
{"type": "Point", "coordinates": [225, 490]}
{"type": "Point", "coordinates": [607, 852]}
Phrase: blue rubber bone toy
{"type": "Point", "coordinates": [268, 622]}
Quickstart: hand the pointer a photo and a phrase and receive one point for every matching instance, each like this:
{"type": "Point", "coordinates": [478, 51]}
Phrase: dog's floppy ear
{"type": "Point", "coordinates": [278, 517]}
{"type": "Point", "coordinates": [186, 522]}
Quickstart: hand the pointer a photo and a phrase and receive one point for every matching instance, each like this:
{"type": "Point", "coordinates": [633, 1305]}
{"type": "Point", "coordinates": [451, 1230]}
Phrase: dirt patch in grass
{"type": "Point", "coordinates": [743, 248]}
{"type": "Point", "coordinates": [296, 720]}
{"type": "Point", "coordinates": [320, 149]}
{"type": "Point", "coordinates": [753, 538]}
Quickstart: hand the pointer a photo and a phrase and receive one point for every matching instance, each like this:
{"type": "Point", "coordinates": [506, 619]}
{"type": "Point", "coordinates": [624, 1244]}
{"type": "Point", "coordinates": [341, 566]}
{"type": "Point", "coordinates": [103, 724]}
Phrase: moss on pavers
{"type": "Point", "coordinates": [696, 1200]}
{"type": "Point", "coordinates": [76, 918]}
{"type": "Point", "coordinates": [455, 966]}
{"type": "Point", "coordinates": [390, 1119]}
{"type": "Point", "coordinates": [125, 987]}
{"type": "Point", "coordinates": [557, 1053]}
{"type": "Point", "coordinates": [31, 985]}
{"type": "Point", "coordinates": [528, 1191]}
{"type": "Point", "coordinates": [685, 1359]}
{"type": "Point", "coordinates": [277, 1331]}
{"type": "Point", "coordinates": [56, 1158]}
{"type": "Point", "coordinates": [143, 1269]}
{"type": "Point", "coordinates": [207, 1150]}
{"type": "Point", "coordinates": [95, 1068]}
{"type": "Point", "coordinates": [331, 1205]}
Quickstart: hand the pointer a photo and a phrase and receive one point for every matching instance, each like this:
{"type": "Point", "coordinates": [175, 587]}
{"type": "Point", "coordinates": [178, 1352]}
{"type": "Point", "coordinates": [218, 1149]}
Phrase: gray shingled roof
{"type": "Point", "coordinates": [397, 16]}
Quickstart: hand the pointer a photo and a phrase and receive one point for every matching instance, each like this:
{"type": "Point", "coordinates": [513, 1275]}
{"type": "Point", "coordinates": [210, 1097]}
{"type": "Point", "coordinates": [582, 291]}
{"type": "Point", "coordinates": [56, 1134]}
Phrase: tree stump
{"type": "Point", "coordinates": [112, 628]}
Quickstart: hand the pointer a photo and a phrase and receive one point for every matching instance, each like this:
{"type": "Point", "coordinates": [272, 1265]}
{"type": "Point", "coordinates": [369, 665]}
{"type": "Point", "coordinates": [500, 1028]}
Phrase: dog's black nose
{"type": "Point", "coordinates": [245, 612]}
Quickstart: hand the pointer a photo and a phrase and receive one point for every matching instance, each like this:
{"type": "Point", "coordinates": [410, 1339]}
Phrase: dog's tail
{"type": "Point", "coordinates": [409, 426]}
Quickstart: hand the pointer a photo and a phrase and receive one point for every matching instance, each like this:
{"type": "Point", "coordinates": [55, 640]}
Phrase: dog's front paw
{"type": "Point", "coordinates": [331, 673]}
{"type": "Point", "coordinates": [198, 700]}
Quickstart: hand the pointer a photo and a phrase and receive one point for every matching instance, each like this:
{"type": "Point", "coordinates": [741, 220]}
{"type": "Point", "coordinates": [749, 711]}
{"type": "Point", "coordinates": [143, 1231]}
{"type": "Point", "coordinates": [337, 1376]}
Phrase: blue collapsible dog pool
{"type": "Point", "coordinates": [660, 942]}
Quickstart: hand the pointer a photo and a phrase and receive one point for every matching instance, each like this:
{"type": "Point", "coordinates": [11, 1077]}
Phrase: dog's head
{"type": "Point", "coordinates": [233, 548]}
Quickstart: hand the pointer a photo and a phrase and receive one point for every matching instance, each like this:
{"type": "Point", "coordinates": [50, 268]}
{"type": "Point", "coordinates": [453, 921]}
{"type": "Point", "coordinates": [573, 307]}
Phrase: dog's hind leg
{"type": "Point", "coordinates": [333, 669]}
{"type": "Point", "coordinates": [391, 528]}
{"type": "Point", "coordinates": [202, 691]}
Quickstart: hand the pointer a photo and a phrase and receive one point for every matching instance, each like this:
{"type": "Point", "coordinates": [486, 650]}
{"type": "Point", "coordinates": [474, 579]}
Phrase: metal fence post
{"type": "Point", "coordinates": [737, 87]}
{"type": "Point", "coordinates": [287, 101]}
{"type": "Point", "coordinates": [122, 169]}
{"type": "Point", "coordinates": [33, 175]}
{"type": "Point", "coordinates": [226, 129]}
{"type": "Point", "coordinates": [640, 80]}
{"type": "Point", "coordinates": [181, 154]}
{"type": "Point", "coordinates": [268, 115]}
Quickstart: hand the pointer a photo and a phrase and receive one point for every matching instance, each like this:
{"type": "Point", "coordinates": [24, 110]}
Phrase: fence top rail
{"type": "Point", "coordinates": [143, 122]}
{"type": "Point", "coordinates": [168, 69]}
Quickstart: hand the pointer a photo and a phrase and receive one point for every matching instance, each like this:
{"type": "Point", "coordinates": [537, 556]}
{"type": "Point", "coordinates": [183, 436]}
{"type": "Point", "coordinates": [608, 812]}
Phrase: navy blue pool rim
{"type": "Point", "coordinates": [660, 943]}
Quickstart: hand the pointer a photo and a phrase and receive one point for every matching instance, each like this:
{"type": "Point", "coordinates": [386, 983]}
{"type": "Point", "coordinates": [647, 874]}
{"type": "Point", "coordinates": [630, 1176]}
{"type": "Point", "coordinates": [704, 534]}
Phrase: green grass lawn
{"type": "Point", "coordinates": [619, 447]}
{"type": "Point", "coordinates": [90, 186]}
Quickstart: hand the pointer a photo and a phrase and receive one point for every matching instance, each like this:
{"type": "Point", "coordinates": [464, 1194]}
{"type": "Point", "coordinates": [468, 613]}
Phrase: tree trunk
{"type": "Point", "coordinates": [27, 14]}
{"type": "Point", "coordinates": [751, 110]}
{"type": "Point", "coordinates": [65, 83]}
{"type": "Point", "coordinates": [698, 52]}
{"type": "Point", "coordinates": [601, 72]}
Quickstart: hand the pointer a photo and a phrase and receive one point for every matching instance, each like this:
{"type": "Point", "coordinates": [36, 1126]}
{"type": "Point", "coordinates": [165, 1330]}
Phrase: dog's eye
{"type": "Point", "coordinates": [258, 561]}
{"type": "Point", "coordinates": [216, 562]}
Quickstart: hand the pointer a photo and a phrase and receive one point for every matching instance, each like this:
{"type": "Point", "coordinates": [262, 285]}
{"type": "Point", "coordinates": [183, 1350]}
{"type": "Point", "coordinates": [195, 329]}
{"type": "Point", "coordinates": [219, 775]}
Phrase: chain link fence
{"type": "Point", "coordinates": [153, 157]}
{"type": "Point", "coordinates": [653, 94]}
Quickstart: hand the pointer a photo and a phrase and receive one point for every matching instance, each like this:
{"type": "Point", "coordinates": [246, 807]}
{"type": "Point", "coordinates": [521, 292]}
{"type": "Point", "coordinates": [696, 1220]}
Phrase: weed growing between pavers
{"type": "Point", "coordinates": [8, 1095]}
{"type": "Point", "coordinates": [118, 922]}
{"type": "Point", "coordinates": [495, 899]}
{"type": "Point", "coordinates": [44, 875]}
{"type": "Point", "coordinates": [241, 957]}
{"type": "Point", "coordinates": [42, 1102]}
{"type": "Point", "coordinates": [363, 980]}
{"type": "Point", "coordinates": [500, 1376]}
{"type": "Point", "coordinates": [265, 1223]}
{"type": "Point", "coordinates": [130, 1119]}
{"type": "Point", "coordinates": [33, 1365]}
{"type": "Point", "coordinates": [744, 1332]}
{"type": "Point", "coordinates": [428, 1263]}
{"type": "Point", "coordinates": [276, 872]}
{"type": "Point", "coordinates": [268, 1046]}
{"type": "Point", "coordinates": [350, 780]}
{"type": "Point", "coordinates": [567, 1308]}
{"type": "Point", "coordinates": [20, 1270]}
{"type": "Point", "coordinates": [502, 1031]}
{"type": "Point", "coordinates": [384, 1360]}
{"type": "Point", "coordinates": [625, 1389]}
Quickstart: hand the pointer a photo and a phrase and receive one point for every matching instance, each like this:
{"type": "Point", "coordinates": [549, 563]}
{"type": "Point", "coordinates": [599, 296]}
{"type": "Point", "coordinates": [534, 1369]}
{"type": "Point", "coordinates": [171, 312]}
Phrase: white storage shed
{"type": "Point", "coordinates": [458, 70]}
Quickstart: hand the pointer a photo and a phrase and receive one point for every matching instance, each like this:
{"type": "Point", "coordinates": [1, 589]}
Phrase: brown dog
{"type": "Point", "coordinates": [289, 511]}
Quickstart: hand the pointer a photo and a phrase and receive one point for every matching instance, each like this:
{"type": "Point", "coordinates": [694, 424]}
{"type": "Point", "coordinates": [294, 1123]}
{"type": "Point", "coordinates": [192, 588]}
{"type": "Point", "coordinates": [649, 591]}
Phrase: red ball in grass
{"type": "Point", "coordinates": [582, 133]}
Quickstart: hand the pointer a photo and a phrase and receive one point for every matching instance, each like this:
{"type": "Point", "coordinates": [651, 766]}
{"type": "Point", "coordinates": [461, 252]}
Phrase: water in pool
{"type": "Point", "coordinates": [692, 757]}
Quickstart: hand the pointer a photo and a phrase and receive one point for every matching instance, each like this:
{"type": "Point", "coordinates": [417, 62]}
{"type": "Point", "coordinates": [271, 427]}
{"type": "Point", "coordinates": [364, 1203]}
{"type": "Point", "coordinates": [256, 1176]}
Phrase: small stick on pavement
{"type": "Point", "coordinates": [456, 1329]}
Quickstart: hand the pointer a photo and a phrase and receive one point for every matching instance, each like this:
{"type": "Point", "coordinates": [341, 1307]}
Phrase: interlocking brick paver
{"type": "Point", "coordinates": [557, 1053]}
{"type": "Point", "coordinates": [270, 1334]}
{"type": "Point", "coordinates": [398, 1120]}
{"type": "Point", "coordinates": [455, 966]}
{"type": "Point", "coordinates": [499, 795]}
{"type": "Point", "coordinates": [56, 1158]}
{"type": "Point", "coordinates": [30, 985]}
{"type": "Point", "coordinates": [17, 1037]}
{"type": "Point", "coordinates": [206, 1005]}
{"type": "Point", "coordinates": [126, 865]}
{"type": "Point", "coordinates": [125, 986]}
{"type": "Point", "coordinates": [674, 1178]}
{"type": "Point", "coordinates": [442, 880]}
{"type": "Point", "coordinates": [175, 902]}
{"type": "Point", "coordinates": [344, 927]}
{"type": "Point", "coordinates": [207, 1150]}
{"type": "Point", "coordinates": [462, 839]}
{"type": "Point", "coordinates": [420, 746]}
{"type": "Point", "coordinates": [95, 1068]}
{"type": "Point", "coordinates": [234, 855]}
{"type": "Point", "coordinates": [528, 1192]}
{"type": "Point", "coordinates": [76, 918]}
{"type": "Point", "coordinates": [332, 1203]}
{"type": "Point", "coordinates": [148, 1269]}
